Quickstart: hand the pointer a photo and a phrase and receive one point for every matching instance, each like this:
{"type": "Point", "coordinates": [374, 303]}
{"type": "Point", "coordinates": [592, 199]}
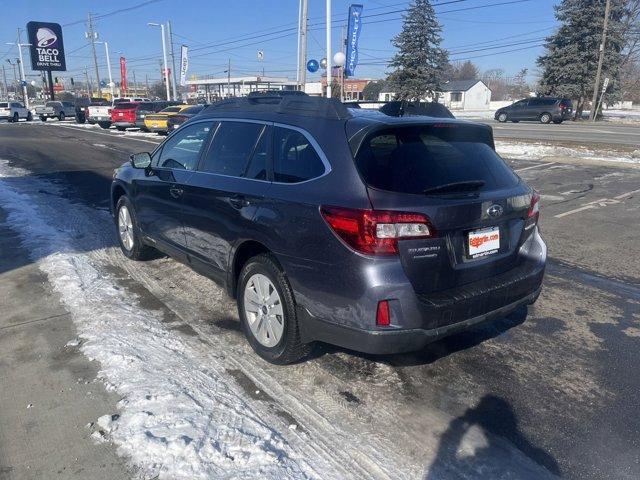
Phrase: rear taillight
{"type": "Point", "coordinates": [534, 211]}
{"type": "Point", "coordinates": [376, 232]}
{"type": "Point", "coordinates": [534, 207]}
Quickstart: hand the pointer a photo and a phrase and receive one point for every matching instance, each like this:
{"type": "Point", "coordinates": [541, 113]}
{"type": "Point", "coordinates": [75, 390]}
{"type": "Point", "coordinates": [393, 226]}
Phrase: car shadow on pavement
{"type": "Point", "coordinates": [462, 453]}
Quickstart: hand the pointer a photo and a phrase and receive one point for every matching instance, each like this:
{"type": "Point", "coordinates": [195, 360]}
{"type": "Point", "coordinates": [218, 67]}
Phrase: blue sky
{"type": "Point", "coordinates": [217, 30]}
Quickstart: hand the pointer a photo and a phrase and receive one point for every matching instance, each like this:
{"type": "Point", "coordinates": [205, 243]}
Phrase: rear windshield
{"type": "Point", "coordinates": [126, 106]}
{"type": "Point", "coordinates": [566, 102]}
{"type": "Point", "coordinates": [4, 105]}
{"type": "Point", "coordinates": [413, 159]}
{"type": "Point", "coordinates": [52, 104]}
{"type": "Point", "coordinates": [171, 109]}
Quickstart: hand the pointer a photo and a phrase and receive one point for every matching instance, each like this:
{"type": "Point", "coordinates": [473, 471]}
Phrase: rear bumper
{"type": "Point", "coordinates": [418, 319]}
{"type": "Point", "coordinates": [124, 124]}
{"type": "Point", "coordinates": [401, 340]}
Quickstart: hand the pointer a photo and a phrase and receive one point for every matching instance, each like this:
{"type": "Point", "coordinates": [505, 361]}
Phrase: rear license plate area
{"type": "Point", "coordinates": [481, 243]}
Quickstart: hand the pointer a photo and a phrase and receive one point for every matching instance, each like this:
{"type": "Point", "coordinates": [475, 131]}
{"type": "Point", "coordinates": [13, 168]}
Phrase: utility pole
{"type": "Point", "coordinates": [91, 35]}
{"type": "Point", "coordinates": [135, 89]}
{"type": "Point", "coordinates": [329, 55]}
{"type": "Point", "coordinates": [4, 79]}
{"type": "Point", "coordinates": [596, 87]}
{"type": "Point", "coordinates": [304, 21]}
{"type": "Point", "coordinates": [89, 88]}
{"type": "Point", "coordinates": [23, 78]}
{"type": "Point", "coordinates": [146, 82]}
{"type": "Point", "coordinates": [173, 61]}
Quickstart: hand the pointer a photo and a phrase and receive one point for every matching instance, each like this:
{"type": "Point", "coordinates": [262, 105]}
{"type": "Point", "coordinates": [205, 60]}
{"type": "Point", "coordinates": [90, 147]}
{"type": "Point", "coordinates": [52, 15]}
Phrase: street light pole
{"type": "Point", "coordinates": [164, 56]}
{"type": "Point", "coordinates": [106, 50]}
{"type": "Point", "coordinates": [329, 73]}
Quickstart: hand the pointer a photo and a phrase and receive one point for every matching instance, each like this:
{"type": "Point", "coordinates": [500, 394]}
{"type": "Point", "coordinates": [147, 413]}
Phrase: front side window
{"type": "Point", "coordinates": [295, 160]}
{"type": "Point", "coordinates": [231, 148]}
{"type": "Point", "coordinates": [182, 149]}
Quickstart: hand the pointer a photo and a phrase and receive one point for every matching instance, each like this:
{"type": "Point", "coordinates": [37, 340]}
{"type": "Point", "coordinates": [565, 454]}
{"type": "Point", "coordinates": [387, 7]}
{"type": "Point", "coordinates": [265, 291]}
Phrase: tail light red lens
{"type": "Point", "coordinates": [534, 207]}
{"type": "Point", "coordinates": [376, 232]}
{"type": "Point", "coordinates": [383, 315]}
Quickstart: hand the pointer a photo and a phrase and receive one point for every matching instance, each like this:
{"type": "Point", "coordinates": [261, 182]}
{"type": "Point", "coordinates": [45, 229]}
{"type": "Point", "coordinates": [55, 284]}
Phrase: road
{"type": "Point", "coordinates": [553, 387]}
{"type": "Point", "coordinates": [574, 133]}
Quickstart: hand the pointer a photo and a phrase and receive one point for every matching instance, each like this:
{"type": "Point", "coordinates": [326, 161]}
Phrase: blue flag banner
{"type": "Point", "coordinates": [353, 35]}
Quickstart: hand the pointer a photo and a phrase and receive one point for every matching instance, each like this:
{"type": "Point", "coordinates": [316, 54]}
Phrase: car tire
{"type": "Point", "coordinates": [275, 337]}
{"type": "Point", "coordinates": [81, 120]}
{"type": "Point", "coordinates": [503, 117]}
{"type": "Point", "coordinates": [121, 129]}
{"type": "Point", "coordinates": [545, 118]}
{"type": "Point", "coordinates": [29, 117]}
{"type": "Point", "coordinates": [61, 116]}
{"type": "Point", "coordinates": [105, 125]}
{"type": "Point", "coordinates": [43, 118]}
{"type": "Point", "coordinates": [557, 122]}
{"type": "Point", "coordinates": [16, 118]}
{"type": "Point", "coordinates": [128, 233]}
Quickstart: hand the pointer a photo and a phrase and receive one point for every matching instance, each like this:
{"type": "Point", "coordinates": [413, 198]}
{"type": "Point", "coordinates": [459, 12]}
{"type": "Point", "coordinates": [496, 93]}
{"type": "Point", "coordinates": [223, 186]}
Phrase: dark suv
{"type": "Point", "coordinates": [540, 109]}
{"type": "Point", "coordinates": [372, 232]}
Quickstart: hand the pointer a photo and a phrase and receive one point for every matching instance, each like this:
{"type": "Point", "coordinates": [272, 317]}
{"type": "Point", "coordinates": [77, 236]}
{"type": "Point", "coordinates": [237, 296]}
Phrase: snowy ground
{"type": "Point", "coordinates": [533, 151]}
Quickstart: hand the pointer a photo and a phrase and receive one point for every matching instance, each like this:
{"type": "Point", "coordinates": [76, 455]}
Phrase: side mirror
{"type": "Point", "coordinates": [141, 160]}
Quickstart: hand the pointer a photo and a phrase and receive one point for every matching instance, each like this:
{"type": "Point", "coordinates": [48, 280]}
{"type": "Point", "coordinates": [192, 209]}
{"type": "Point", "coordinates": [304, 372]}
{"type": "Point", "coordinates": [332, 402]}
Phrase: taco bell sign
{"type": "Point", "coordinates": [47, 47]}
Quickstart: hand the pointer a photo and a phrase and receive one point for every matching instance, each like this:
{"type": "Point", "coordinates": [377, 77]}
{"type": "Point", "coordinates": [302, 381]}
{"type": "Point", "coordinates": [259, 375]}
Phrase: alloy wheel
{"type": "Point", "coordinates": [125, 227]}
{"type": "Point", "coordinates": [263, 310]}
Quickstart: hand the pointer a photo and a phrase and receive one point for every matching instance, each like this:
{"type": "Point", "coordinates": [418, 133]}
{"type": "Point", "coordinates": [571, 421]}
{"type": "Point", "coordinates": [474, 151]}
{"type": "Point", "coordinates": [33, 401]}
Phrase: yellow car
{"type": "Point", "coordinates": [157, 122]}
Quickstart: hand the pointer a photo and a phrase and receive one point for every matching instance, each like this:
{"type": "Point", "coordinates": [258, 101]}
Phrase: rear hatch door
{"type": "Point", "coordinates": [476, 205]}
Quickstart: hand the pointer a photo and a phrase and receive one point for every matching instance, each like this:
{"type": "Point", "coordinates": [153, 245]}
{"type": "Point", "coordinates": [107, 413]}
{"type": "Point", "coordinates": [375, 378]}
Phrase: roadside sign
{"type": "Point", "coordinates": [47, 47]}
{"type": "Point", "coordinates": [605, 84]}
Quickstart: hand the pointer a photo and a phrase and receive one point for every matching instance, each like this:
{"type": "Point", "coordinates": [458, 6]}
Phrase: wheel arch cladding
{"type": "Point", "coordinates": [244, 251]}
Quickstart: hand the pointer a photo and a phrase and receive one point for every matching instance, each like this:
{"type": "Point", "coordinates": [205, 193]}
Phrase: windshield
{"type": "Point", "coordinates": [416, 159]}
{"type": "Point", "coordinates": [126, 106]}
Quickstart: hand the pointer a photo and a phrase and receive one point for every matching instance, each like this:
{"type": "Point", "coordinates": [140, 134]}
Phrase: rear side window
{"type": "Point", "coordinates": [231, 148]}
{"type": "Point", "coordinates": [413, 159]}
{"type": "Point", "coordinates": [295, 159]}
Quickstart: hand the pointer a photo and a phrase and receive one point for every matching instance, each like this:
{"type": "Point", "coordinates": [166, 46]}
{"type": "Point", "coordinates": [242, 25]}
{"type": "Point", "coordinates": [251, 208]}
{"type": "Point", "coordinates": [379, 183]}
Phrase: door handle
{"type": "Point", "coordinates": [176, 192]}
{"type": "Point", "coordinates": [239, 201]}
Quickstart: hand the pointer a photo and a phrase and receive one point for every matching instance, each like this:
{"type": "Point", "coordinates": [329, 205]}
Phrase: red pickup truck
{"type": "Point", "coordinates": [131, 114]}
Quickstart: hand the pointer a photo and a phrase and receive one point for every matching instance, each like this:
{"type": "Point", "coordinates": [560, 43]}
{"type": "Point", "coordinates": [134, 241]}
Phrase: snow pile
{"type": "Point", "coordinates": [534, 151]}
{"type": "Point", "coordinates": [176, 419]}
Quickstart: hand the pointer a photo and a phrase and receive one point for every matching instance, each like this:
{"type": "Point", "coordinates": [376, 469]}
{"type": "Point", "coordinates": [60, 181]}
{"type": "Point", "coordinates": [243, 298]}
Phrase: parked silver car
{"type": "Point", "coordinates": [55, 109]}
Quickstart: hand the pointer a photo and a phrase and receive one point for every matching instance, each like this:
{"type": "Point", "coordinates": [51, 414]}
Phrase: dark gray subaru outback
{"type": "Point", "coordinates": [375, 233]}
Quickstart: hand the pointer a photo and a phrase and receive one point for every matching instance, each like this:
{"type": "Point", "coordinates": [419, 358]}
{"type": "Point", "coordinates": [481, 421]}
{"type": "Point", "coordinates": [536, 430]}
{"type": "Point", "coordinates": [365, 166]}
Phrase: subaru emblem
{"type": "Point", "coordinates": [495, 211]}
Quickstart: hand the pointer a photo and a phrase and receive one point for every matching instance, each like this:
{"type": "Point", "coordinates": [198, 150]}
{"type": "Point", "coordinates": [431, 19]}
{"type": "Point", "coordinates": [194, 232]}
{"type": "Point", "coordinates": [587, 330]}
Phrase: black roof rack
{"type": "Point", "coordinates": [291, 104]}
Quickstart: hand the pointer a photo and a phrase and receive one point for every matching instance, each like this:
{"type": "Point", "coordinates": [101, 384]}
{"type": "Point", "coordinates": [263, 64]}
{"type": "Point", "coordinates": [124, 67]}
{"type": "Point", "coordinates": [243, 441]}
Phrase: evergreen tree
{"type": "Point", "coordinates": [420, 64]}
{"type": "Point", "coordinates": [465, 71]}
{"type": "Point", "coordinates": [571, 58]}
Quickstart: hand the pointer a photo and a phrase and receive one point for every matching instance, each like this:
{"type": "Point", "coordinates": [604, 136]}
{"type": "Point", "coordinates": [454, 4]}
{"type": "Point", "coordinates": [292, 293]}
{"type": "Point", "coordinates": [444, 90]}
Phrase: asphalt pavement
{"type": "Point", "coordinates": [557, 381]}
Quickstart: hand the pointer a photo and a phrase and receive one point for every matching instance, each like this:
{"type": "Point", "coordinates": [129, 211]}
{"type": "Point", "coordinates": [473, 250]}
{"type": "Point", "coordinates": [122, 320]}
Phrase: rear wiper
{"type": "Point", "coordinates": [455, 187]}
